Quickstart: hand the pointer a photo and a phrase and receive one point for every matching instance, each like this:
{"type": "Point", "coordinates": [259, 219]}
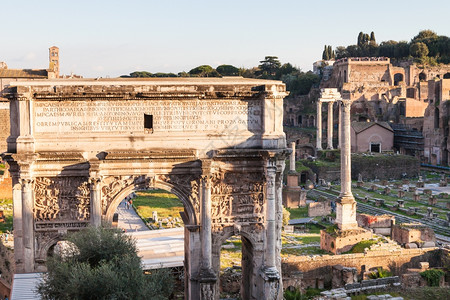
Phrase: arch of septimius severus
{"type": "Point", "coordinates": [78, 147]}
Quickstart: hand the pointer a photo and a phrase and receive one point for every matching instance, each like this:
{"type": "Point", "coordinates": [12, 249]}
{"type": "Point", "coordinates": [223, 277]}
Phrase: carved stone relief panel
{"type": "Point", "coordinates": [237, 198]}
{"type": "Point", "coordinates": [188, 183]}
{"type": "Point", "coordinates": [113, 185]}
{"type": "Point", "coordinates": [61, 199]}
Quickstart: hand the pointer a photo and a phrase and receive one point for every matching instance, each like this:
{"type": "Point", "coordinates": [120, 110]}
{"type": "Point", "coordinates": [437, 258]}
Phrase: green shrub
{"type": "Point", "coordinates": [380, 273]}
{"type": "Point", "coordinates": [433, 276]}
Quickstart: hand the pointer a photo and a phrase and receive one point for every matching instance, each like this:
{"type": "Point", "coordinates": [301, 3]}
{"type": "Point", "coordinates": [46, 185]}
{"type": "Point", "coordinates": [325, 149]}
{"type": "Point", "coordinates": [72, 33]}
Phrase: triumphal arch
{"type": "Point", "coordinates": [78, 147]}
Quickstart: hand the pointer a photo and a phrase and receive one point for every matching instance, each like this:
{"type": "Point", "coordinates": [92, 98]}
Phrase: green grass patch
{"type": "Point", "coordinates": [165, 203]}
{"type": "Point", "coordinates": [297, 213]}
{"type": "Point", "coordinates": [359, 248]}
{"type": "Point", "coordinates": [311, 250]}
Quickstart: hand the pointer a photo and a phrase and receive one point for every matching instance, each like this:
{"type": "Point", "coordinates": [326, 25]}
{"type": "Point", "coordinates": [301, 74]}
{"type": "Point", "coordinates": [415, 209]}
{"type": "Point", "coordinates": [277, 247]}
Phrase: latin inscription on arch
{"type": "Point", "coordinates": [128, 116]}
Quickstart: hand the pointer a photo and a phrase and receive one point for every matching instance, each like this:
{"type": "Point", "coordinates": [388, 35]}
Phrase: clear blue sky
{"type": "Point", "coordinates": [113, 38]}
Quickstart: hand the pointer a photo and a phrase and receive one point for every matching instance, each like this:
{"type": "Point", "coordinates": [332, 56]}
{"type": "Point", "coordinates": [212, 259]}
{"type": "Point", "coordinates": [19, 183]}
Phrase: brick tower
{"type": "Point", "coordinates": [53, 58]}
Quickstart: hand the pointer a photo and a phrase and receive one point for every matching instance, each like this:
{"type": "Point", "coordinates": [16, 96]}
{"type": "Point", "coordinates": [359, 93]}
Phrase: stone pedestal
{"type": "Point", "coordinates": [294, 197]}
{"type": "Point", "coordinates": [420, 184]}
{"type": "Point", "coordinates": [379, 202]}
{"type": "Point", "coordinates": [387, 190]}
{"type": "Point", "coordinates": [427, 192]}
{"type": "Point", "coordinates": [432, 200]}
{"type": "Point", "coordinates": [401, 203]}
{"type": "Point", "coordinates": [412, 189]}
{"type": "Point", "coordinates": [401, 194]}
{"type": "Point", "coordinates": [359, 184]}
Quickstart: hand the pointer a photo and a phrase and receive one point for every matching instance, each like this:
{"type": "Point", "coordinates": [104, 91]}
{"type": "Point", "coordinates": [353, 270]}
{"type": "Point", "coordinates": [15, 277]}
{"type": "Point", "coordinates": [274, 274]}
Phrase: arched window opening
{"type": "Point", "coordinates": [422, 76]}
{"type": "Point", "coordinates": [447, 75]}
{"type": "Point", "coordinates": [299, 120]}
{"type": "Point", "coordinates": [398, 77]}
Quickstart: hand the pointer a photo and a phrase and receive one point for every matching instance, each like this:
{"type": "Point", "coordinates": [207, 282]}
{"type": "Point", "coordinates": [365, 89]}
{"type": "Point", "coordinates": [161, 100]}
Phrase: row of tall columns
{"type": "Point", "coordinates": [329, 124]}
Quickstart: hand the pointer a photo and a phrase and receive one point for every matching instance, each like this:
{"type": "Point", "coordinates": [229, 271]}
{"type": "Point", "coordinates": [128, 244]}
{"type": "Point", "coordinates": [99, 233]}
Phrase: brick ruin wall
{"type": "Point", "coordinates": [320, 267]}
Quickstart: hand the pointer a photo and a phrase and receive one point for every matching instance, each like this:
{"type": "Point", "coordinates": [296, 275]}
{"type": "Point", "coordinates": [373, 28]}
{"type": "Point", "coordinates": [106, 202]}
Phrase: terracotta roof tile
{"type": "Point", "coordinates": [361, 126]}
{"type": "Point", "coordinates": [23, 73]}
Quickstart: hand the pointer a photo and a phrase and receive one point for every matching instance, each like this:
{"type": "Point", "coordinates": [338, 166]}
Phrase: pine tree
{"type": "Point", "coordinates": [372, 37]}
{"type": "Point", "coordinates": [325, 53]}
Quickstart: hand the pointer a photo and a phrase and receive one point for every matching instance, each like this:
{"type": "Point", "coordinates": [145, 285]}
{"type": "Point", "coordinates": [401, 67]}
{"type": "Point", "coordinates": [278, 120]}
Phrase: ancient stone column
{"type": "Point", "coordinates": [346, 204]}
{"type": "Point", "coordinates": [330, 126]}
{"type": "Point", "coordinates": [270, 218]}
{"type": "Point", "coordinates": [96, 201]}
{"type": "Point", "coordinates": [206, 223]}
{"type": "Point", "coordinates": [292, 160]}
{"type": "Point", "coordinates": [28, 225]}
{"type": "Point", "coordinates": [207, 277]}
{"type": "Point", "coordinates": [339, 125]}
{"type": "Point", "coordinates": [319, 125]}
{"type": "Point", "coordinates": [18, 231]}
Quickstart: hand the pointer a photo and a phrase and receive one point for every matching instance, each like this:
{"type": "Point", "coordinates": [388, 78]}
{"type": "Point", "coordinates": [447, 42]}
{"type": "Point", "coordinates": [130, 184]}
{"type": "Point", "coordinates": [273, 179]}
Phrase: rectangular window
{"type": "Point", "coordinates": [148, 123]}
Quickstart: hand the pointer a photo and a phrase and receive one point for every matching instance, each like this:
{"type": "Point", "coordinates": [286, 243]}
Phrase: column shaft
{"type": "Point", "coordinates": [28, 225]}
{"type": "Point", "coordinates": [96, 202]}
{"type": "Point", "coordinates": [330, 126]}
{"type": "Point", "coordinates": [270, 218]}
{"type": "Point", "coordinates": [292, 160]}
{"type": "Point", "coordinates": [346, 168]}
{"type": "Point", "coordinates": [319, 125]}
{"type": "Point", "coordinates": [206, 223]}
{"type": "Point", "coordinates": [339, 125]}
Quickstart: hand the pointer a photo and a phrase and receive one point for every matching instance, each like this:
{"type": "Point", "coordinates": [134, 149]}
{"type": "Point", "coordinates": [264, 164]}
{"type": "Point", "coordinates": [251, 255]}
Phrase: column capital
{"type": "Point", "coordinates": [26, 182]}
{"type": "Point", "coordinates": [206, 180]}
{"type": "Point", "coordinates": [95, 182]}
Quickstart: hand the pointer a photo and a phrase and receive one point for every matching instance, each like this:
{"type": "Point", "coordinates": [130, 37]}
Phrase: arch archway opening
{"type": "Point", "coordinates": [153, 217]}
{"type": "Point", "coordinates": [236, 267]}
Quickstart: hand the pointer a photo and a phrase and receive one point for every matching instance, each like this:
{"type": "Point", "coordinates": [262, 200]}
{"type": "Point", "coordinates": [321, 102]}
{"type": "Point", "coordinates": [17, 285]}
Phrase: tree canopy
{"type": "Point", "coordinates": [436, 47]}
{"type": "Point", "coordinates": [101, 263]}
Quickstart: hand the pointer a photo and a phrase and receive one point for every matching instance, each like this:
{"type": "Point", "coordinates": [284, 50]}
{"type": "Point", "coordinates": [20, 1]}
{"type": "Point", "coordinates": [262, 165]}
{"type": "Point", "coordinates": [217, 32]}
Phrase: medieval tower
{"type": "Point", "coordinates": [53, 53]}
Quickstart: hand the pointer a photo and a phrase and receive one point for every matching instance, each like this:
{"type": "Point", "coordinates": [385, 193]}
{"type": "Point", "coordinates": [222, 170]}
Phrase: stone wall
{"type": "Point", "coordinates": [321, 208]}
{"type": "Point", "coordinates": [409, 233]}
{"type": "Point", "coordinates": [317, 268]}
{"type": "Point", "coordinates": [371, 167]}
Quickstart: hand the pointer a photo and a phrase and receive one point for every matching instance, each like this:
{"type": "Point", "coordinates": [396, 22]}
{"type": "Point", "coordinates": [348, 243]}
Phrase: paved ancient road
{"type": "Point", "coordinates": [129, 220]}
{"type": "Point", "coordinates": [163, 248]}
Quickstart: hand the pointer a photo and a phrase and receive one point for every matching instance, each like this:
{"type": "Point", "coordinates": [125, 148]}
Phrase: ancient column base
{"type": "Point", "coordinates": [207, 280]}
{"type": "Point", "coordinates": [346, 212]}
{"type": "Point", "coordinates": [272, 288]}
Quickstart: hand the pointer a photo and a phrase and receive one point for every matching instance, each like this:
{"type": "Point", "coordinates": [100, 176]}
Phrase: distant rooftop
{"type": "Point", "coordinates": [23, 73]}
